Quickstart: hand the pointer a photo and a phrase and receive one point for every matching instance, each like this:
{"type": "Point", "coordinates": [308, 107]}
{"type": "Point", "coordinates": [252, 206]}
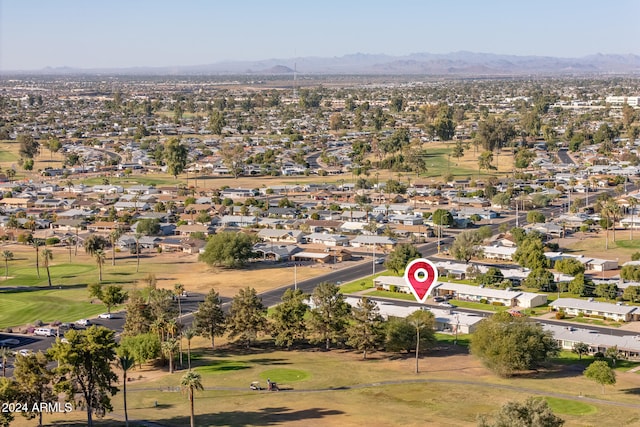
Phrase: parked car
{"type": "Point", "coordinates": [44, 332]}
{"type": "Point", "coordinates": [83, 322]}
{"type": "Point", "coordinates": [24, 352]}
{"type": "Point", "coordinates": [445, 304]}
{"type": "Point", "coordinates": [105, 316]}
{"type": "Point", "coordinates": [438, 299]}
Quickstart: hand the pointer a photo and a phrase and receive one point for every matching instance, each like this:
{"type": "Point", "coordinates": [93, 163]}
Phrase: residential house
{"type": "Point", "coordinates": [509, 298]}
{"type": "Point", "coordinates": [576, 307]}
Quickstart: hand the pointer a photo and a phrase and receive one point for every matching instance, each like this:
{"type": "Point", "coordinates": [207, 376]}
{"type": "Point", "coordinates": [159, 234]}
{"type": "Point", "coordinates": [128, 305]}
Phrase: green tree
{"type": "Point", "coordinates": [600, 372]}
{"type": "Point", "coordinates": [400, 335]}
{"type": "Point", "coordinates": [580, 348]}
{"type": "Point", "coordinates": [530, 253]}
{"type": "Point", "coordinates": [148, 227]}
{"type": "Point", "coordinates": [233, 157]}
{"type": "Point", "coordinates": [534, 412]}
{"type": "Point", "coordinates": [570, 266]}
{"type": "Point", "coordinates": [614, 354]}
{"type": "Point", "coordinates": [401, 255]}
{"type": "Point", "coordinates": [485, 161]}
{"type": "Point", "coordinates": [507, 344]}
{"type": "Point", "coordinates": [632, 293]}
{"type": "Point", "coordinates": [29, 147]}
{"type": "Point", "coordinates": [7, 256]}
{"type": "Point", "coordinates": [247, 316]}
{"type": "Point", "coordinates": [540, 278]}
{"type": "Point", "coordinates": [190, 383]}
{"type": "Point", "coordinates": [86, 369]}
{"type": "Point", "coordinates": [34, 382]}
{"type": "Point", "coordinates": [365, 332]}
{"type": "Point", "coordinates": [328, 315]}
{"type": "Point", "coordinates": [175, 157]}
{"type": "Point", "coordinates": [466, 246]}
{"type": "Point", "coordinates": [288, 318]}
{"type": "Point", "coordinates": [424, 324]}
{"type": "Point", "coordinates": [442, 218]}
{"type": "Point", "coordinates": [110, 295]}
{"type": "Point", "coordinates": [582, 286]}
{"type": "Point", "coordinates": [209, 320]}
{"type": "Point", "coordinates": [125, 363]}
{"type": "Point", "coordinates": [138, 316]}
{"type": "Point", "coordinates": [142, 347]}
{"type": "Point", "coordinates": [606, 290]}
{"type": "Point", "coordinates": [8, 393]}
{"type": "Point", "coordinates": [227, 249]}
{"type": "Point", "coordinates": [491, 277]}
{"type": "Point", "coordinates": [535, 217]}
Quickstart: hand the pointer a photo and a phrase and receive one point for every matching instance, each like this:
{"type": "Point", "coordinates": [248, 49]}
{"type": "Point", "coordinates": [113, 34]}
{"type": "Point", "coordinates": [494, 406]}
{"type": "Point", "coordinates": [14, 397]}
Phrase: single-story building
{"type": "Point", "coordinates": [476, 293]}
{"type": "Point", "coordinates": [575, 307]}
{"type": "Point", "coordinates": [568, 336]}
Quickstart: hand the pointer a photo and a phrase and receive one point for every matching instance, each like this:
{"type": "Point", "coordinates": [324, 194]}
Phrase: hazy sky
{"type": "Point", "coordinates": [122, 33]}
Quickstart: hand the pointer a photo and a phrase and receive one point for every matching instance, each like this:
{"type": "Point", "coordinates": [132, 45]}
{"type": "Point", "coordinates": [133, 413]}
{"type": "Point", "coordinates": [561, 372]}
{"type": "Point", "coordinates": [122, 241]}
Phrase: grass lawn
{"type": "Point", "coordinates": [478, 306]}
{"type": "Point", "coordinates": [570, 407]}
{"type": "Point", "coordinates": [65, 305]}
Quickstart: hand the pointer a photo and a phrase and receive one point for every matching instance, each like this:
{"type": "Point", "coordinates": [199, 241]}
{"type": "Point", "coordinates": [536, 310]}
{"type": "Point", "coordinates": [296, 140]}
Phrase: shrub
{"type": "Point", "coordinates": [598, 356]}
{"type": "Point", "coordinates": [498, 303]}
{"type": "Point", "coordinates": [38, 323]}
{"type": "Point", "coordinates": [51, 241]}
{"type": "Point", "coordinates": [560, 315]}
{"type": "Point", "coordinates": [484, 301]}
{"type": "Point", "coordinates": [393, 288]}
{"type": "Point", "coordinates": [580, 314]}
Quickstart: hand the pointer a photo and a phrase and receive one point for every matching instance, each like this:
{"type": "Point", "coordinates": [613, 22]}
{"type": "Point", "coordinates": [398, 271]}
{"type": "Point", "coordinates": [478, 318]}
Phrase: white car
{"type": "Point", "coordinates": [105, 316]}
{"type": "Point", "coordinates": [445, 304]}
{"type": "Point", "coordinates": [83, 322]}
{"type": "Point", "coordinates": [25, 352]}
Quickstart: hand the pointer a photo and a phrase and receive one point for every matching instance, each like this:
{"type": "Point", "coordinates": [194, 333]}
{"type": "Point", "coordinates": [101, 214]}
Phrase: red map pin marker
{"type": "Point", "coordinates": [420, 274]}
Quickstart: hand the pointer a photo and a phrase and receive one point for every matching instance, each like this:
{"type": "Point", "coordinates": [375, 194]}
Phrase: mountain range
{"type": "Point", "coordinates": [450, 64]}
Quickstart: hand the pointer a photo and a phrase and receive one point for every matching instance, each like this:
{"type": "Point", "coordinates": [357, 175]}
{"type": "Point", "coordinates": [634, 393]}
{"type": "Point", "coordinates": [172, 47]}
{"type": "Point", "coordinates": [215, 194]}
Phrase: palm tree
{"type": "Point", "coordinates": [47, 255]}
{"type": "Point", "coordinates": [100, 257]}
{"type": "Point", "coordinates": [178, 289]}
{"type": "Point", "coordinates": [7, 256]}
{"type": "Point", "coordinates": [125, 362]}
{"type": "Point", "coordinates": [114, 236]}
{"type": "Point", "coordinates": [191, 381]}
{"type": "Point", "coordinates": [633, 202]}
{"type": "Point", "coordinates": [137, 237]}
{"type": "Point", "coordinates": [169, 348]}
{"type": "Point", "coordinates": [189, 334]}
{"type": "Point", "coordinates": [614, 211]}
{"type": "Point", "coordinates": [5, 353]}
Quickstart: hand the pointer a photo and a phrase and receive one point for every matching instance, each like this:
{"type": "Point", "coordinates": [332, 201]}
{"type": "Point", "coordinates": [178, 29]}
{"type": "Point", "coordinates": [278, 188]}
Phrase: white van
{"type": "Point", "coordinates": [44, 332]}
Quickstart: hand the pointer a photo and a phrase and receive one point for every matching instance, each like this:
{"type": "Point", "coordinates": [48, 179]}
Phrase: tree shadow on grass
{"type": "Point", "coordinates": [269, 361]}
{"type": "Point", "coordinates": [635, 390]}
{"type": "Point", "coordinates": [262, 417]}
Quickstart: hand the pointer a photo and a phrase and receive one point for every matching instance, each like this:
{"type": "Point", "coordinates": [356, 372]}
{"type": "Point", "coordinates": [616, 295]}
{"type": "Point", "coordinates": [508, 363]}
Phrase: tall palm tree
{"type": "Point", "coordinates": [633, 202]}
{"type": "Point", "coordinates": [137, 236]}
{"type": "Point", "coordinates": [47, 255]}
{"type": "Point", "coordinates": [191, 381]}
{"type": "Point", "coordinates": [7, 256]}
{"type": "Point", "coordinates": [125, 362]}
{"type": "Point", "coordinates": [114, 236]}
{"type": "Point", "coordinates": [178, 289]}
{"type": "Point", "coordinates": [613, 210]}
{"type": "Point", "coordinates": [189, 334]}
{"type": "Point", "coordinates": [100, 257]}
{"type": "Point", "coordinates": [169, 348]}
